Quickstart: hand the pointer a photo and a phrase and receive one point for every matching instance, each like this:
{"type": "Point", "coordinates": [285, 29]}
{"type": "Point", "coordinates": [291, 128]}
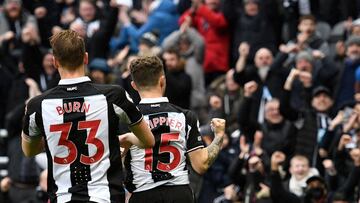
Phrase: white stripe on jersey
{"type": "Point", "coordinates": [61, 173]}
{"type": "Point", "coordinates": [121, 114]}
{"type": "Point", "coordinates": [98, 187]}
{"type": "Point", "coordinates": [33, 128]}
{"type": "Point", "coordinates": [142, 178]}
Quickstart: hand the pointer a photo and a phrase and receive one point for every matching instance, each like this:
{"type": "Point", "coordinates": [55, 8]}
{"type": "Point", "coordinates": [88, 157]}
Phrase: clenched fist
{"type": "Point", "coordinates": [250, 88]}
{"type": "Point", "coordinates": [218, 126]}
{"type": "Point", "coordinates": [276, 159]}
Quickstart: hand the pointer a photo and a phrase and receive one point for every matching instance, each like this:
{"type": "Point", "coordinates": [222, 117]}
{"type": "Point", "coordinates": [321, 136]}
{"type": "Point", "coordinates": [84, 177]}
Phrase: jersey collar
{"type": "Point", "coordinates": [74, 80]}
{"type": "Point", "coordinates": [154, 100]}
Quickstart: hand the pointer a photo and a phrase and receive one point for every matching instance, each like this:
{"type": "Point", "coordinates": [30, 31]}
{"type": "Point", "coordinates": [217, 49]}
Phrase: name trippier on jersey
{"type": "Point", "coordinates": [171, 122]}
{"type": "Point", "coordinates": [71, 107]}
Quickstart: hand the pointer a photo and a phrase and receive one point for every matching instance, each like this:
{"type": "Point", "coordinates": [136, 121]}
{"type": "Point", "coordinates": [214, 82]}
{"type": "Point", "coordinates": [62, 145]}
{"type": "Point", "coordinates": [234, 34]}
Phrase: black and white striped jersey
{"type": "Point", "coordinates": [79, 121]}
{"type": "Point", "coordinates": [176, 133]}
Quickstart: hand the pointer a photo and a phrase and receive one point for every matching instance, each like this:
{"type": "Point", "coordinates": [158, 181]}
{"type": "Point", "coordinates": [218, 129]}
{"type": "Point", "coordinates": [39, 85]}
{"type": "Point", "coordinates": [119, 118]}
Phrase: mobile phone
{"type": "Point", "coordinates": [347, 113]}
{"type": "Point", "coordinates": [352, 144]}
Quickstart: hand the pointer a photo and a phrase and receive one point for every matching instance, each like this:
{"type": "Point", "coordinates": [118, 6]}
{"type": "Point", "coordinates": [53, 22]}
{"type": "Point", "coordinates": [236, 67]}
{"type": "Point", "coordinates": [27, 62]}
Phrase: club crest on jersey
{"type": "Point", "coordinates": [71, 107]}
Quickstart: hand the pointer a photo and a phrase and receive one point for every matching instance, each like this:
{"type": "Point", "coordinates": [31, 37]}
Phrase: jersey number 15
{"type": "Point", "coordinates": [164, 147]}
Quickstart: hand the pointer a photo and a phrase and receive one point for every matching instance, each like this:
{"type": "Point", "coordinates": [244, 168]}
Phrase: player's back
{"type": "Point", "coordinates": [176, 133]}
{"type": "Point", "coordinates": [80, 123]}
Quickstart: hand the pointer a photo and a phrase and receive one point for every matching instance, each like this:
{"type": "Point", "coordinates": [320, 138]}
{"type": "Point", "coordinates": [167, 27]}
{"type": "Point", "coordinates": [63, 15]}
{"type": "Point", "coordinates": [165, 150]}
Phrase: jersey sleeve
{"type": "Point", "coordinates": [30, 121]}
{"type": "Point", "coordinates": [125, 109]}
{"type": "Point", "coordinates": [194, 140]}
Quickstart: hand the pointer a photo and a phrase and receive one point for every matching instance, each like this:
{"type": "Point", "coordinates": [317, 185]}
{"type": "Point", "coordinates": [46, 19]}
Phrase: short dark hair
{"type": "Point", "coordinates": [173, 50]}
{"type": "Point", "coordinates": [146, 71]}
{"type": "Point", "coordinates": [92, 2]}
{"type": "Point", "coordinates": [68, 48]}
{"type": "Point", "coordinates": [307, 17]}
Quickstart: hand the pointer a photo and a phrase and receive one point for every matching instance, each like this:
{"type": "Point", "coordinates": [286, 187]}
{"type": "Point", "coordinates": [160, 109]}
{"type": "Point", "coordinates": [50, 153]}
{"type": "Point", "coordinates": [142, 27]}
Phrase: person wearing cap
{"type": "Point", "coordinates": [345, 89]}
{"type": "Point", "coordinates": [254, 22]}
{"type": "Point", "coordinates": [315, 189]}
{"type": "Point", "coordinates": [315, 118]}
{"type": "Point", "coordinates": [148, 44]}
{"type": "Point", "coordinates": [99, 71]}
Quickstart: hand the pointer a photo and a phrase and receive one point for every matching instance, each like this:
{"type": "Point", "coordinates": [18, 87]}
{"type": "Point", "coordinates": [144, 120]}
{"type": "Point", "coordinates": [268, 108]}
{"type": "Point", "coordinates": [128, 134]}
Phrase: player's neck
{"type": "Point", "coordinates": [76, 73]}
{"type": "Point", "coordinates": [153, 93]}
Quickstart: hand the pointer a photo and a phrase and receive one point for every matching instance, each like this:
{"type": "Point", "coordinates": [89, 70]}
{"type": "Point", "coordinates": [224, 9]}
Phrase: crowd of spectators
{"type": "Point", "coordinates": [285, 74]}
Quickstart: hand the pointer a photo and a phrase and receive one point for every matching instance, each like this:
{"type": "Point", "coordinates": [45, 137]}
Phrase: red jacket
{"type": "Point", "coordinates": [214, 29]}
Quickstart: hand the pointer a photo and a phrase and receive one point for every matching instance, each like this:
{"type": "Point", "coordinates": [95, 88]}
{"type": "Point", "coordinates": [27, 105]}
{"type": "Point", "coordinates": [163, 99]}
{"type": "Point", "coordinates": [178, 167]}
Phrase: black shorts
{"type": "Point", "coordinates": [162, 194]}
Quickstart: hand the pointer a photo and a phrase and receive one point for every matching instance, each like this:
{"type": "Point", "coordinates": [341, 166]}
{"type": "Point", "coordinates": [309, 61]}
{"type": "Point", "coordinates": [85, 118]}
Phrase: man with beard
{"type": "Point", "coordinates": [266, 72]}
{"type": "Point", "coordinates": [177, 80]}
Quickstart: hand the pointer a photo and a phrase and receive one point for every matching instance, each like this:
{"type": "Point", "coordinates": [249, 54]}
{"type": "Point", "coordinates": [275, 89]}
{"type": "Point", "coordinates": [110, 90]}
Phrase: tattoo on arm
{"type": "Point", "coordinates": [214, 149]}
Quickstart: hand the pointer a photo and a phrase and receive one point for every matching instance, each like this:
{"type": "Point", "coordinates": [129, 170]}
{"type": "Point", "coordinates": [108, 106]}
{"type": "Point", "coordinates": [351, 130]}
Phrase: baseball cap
{"type": "Point", "coordinates": [321, 89]}
{"type": "Point", "coordinates": [149, 38]}
{"type": "Point", "coordinates": [99, 64]}
{"type": "Point", "coordinates": [315, 178]}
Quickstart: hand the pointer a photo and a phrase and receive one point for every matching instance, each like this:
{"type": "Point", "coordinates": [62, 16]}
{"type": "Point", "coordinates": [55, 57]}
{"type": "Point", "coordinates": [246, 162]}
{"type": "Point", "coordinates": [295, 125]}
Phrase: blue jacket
{"type": "Point", "coordinates": [347, 82]}
{"type": "Point", "coordinates": [163, 19]}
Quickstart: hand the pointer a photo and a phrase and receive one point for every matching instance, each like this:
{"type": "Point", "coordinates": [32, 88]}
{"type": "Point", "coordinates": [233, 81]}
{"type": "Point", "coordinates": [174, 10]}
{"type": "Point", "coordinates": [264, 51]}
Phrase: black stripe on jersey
{"type": "Point", "coordinates": [51, 185]}
{"type": "Point", "coordinates": [79, 172]}
{"type": "Point", "coordinates": [157, 131]}
{"type": "Point", "coordinates": [156, 174]}
{"type": "Point", "coordinates": [130, 186]}
{"type": "Point", "coordinates": [115, 173]}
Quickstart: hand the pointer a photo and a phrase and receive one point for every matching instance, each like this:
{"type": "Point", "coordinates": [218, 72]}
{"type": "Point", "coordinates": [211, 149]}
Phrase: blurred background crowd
{"type": "Point", "coordinates": [285, 74]}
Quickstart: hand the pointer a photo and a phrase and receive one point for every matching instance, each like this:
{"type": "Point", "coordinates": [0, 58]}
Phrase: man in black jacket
{"type": "Point", "coordinates": [177, 81]}
{"type": "Point", "coordinates": [312, 120]}
{"type": "Point", "coordinates": [278, 133]}
{"type": "Point", "coordinates": [252, 21]}
{"type": "Point", "coordinates": [267, 72]}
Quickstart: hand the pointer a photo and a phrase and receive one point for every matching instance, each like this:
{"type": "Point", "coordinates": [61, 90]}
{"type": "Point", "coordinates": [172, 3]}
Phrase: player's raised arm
{"type": "Point", "coordinates": [202, 159]}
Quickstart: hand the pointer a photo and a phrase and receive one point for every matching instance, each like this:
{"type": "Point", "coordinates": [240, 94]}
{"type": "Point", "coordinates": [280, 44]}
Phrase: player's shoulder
{"type": "Point", "coordinates": [108, 88]}
{"type": "Point", "coordinates": [111, 91]}
{"type": "Point", "coordinates": [35, 102]}
{"type": "Point", "coordinates": [189, 115]}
